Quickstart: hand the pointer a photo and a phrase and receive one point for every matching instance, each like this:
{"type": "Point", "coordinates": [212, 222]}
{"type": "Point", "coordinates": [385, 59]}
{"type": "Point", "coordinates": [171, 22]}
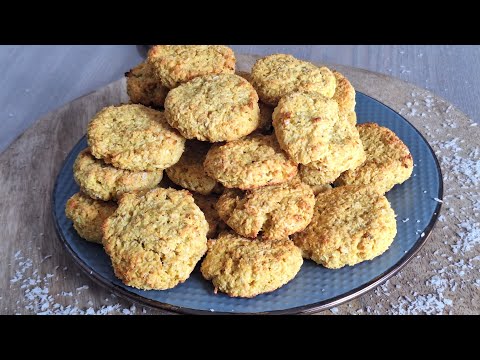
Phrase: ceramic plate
{"type": "Point", "coordinates": [314, 288]}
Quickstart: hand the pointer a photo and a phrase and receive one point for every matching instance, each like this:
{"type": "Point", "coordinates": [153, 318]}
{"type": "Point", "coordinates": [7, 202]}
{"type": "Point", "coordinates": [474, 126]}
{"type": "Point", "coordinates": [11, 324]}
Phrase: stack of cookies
{"type": "Point", "coordinates": [263, 169]}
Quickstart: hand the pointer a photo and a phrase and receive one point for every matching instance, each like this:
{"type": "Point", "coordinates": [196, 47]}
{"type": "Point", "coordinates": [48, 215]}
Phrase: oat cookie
{"type": "Point", "coordinates": [134, 137]}
{"type": "Point", "coordinates": [88, 215]}
{"type": "Point", "coordinates": [266, 111]}
{"type": "Point", "coordinates": [304, 124]}
{"type": "Point", "coordinates": [144, 88]}
{"type": "Point", "coordinates": [189, 172]}
{"type": "Point", "coordinates": [388, 160]}
{"type": "Point", "coordinates": [206, 203]}
{"type": "Point", "coordinates": [274, 211]}
{"type": "Point", "coordinates": [350, 224]}
{"type": "Point", "coordinates": [177, 64]}
{"type": "Point", "coordinates": [213, 108]}
{"type": "Point", "coordinates": [344, 95]}
{"type": "Point", "coordinates": [105, 182]}
{"type": "Point", "coordinates": [155, 238]}
{"type": "Point", "coordinates": [345, 151]}
{"type": "Point", "coordinates": [242, 267]}
{"type": "Point", "coordinates": [352, 118]}
{"type": "Point", "coordinates": [277, 75]}
{"type": "Point", "coordinates": [249, 163]}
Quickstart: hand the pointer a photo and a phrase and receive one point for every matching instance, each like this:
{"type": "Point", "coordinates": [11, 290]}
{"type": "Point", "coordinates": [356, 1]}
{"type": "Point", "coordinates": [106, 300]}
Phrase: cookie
{"type": "Point", "coordinates": [344, 95]}
{"type": "Point", "coordinates": [352, 118]}
{"type": "Point", "coordinates": [277, 75]}
{"type": "Point", "coordinates": [266, 111]}
{"type": "Point", "coordinates": [189, 172]}
{"type": "Point", "coordinates": [345, 151]}
{"type": "Point", "coordinates": [177, 64]}
{"type": "Point", "coordinates": [105, 182]}
{"type": "Point", "coordinates": [274, 211]}
{"type": "Point", "coordinates": [388, 160]}
{"type": "Point", "coordinates": [206, 203]}
{"type": "Point", "coordinates": [155, 238]}
{"type": "Point", "coordinates": [88, 215]}
{"type": "Point", "coordinates": [213, 108]}
{"type": "Point", "coordinates": [134, 137]}
{"type": "Point", "coordinates": [144, 88]}
{"type": "Point", "coordinates": [304, 124]}
{"type": "Point", "coordinates": [350, 224]}
{"type": "Point", "coordinates": [246, 268]}
{"type": "Point", "coordinates": [250, 163]}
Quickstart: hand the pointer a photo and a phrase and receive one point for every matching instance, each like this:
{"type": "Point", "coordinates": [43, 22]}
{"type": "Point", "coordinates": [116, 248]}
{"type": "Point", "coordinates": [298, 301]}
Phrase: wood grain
{"type": "Point", "coordinates": [28, 169]}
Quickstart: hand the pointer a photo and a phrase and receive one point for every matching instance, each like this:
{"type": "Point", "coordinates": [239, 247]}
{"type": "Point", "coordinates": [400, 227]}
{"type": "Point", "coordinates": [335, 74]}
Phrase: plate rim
{"type": "Point", "coordinates": [304, 309]}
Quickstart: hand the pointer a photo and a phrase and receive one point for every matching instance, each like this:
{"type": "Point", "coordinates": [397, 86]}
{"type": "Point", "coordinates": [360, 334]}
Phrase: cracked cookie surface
{"type": "Point", "coordinates": [213, 108]}
{"type": "Point", "coordinates": [274, 211]}
{"type": "Point", "coordinates": [388, 160]}
{"type": "Point", "coordinates": [242, 267]}
{"type": "Point", "coordinates": [277, 75]}
{"type": "Point", "coordinates": [105, 182]}
{"type": "Point", "coordinates": [134, 137]}
{"type": "Point", "coordinates": [304, 124]}
{"type": "Point", "coordinates": [189, 173]}
{"type": "Point", "coordinates": [249, 163]}
{"type": "Point", "coordinates": [88, 215]}
{"type": "Point", "coordinates": [155, 238]}
{"type": "Point", "coordinates": [177, 64]}
{"type": "Point", "coordinates": [350, 224]}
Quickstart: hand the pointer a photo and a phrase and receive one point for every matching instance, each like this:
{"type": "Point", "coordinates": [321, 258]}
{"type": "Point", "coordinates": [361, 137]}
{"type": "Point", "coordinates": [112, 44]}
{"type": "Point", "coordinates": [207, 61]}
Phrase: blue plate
{"type": "Point", "coordinates": [315, 288]}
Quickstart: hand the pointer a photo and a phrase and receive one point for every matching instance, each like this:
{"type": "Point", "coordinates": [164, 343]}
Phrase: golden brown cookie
{"type": "Point", "coordinates": [388, 160]}
{"type": "Point", "coordinates": [242, 267]}
{"type": "Point", "coordinates": [105, 182]}
{"type": "Point", "coordinates": [350, 224]}
{"type": "Point", "coordinates": [344, 152]}
{"type": "Point", "coordinates": [352, 118]}
{"type": "Point", "coordinates": [277, 75]}
{"type": "Point", "coordinates": [155, 238]}
{"type": "Point", "coordinates": [213, 108]}
{"type": "Point", "coordinates": [344, 95]}
{"type": "Point", "coordinates": [144, 88]}
{"type": "Point", "coordinates": [266, 111]}
{"type": "Point", "coordinates": [304, 125]}
{"type": "Point", "coordinates": [206, 203]}
{"type": "Point", "coordinates": [274, 211]}
{"type": "Point", "coordinates": [134, 137]}
{"type": "Point", "coordinates": [250, 163]}
{"type": "Point", "coordinates": [88, 215]}
{"type": "Point", "coordinates": [177, 64]}
{"type": "Point", "coordinates": [189, 172]}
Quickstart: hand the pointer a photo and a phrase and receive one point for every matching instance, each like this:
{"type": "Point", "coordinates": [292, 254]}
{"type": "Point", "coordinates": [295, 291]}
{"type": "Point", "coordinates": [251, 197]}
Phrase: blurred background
{"type": "Point", "coordinates": [38, 79]}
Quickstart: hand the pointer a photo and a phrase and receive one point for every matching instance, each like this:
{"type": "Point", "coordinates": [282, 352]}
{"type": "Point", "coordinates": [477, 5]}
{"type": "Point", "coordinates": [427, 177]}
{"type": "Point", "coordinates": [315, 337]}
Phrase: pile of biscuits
{"type": "Point", "coordinates": [262, 169]}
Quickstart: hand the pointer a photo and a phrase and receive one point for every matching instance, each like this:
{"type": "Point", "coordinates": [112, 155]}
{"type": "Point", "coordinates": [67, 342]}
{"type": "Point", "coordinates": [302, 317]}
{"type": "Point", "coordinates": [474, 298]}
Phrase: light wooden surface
{"type": "Point", "coordinates": [37, 275]}
{"type": "Point", "coordinates": [38, 79]}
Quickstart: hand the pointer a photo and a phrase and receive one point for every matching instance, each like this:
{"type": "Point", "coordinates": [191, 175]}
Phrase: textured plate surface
{"type": "Point", "coordinates": [314, 288]}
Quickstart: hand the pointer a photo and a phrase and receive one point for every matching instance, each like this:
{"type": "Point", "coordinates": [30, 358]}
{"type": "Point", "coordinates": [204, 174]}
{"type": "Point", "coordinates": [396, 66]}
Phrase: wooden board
{"type": "Point", "coordinates": [37, 275]}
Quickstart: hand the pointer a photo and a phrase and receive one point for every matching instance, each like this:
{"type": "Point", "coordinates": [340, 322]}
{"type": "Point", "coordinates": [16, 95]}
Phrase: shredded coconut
{"type": "Point", "coordinates": [39, 299]}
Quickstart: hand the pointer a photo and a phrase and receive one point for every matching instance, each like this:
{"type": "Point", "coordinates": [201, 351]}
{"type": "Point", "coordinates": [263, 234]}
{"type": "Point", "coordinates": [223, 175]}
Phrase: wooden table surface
{"type": "Point", "coordinates": [38, 276]}
{"type": "Point", "coordinates": [38, 79]}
